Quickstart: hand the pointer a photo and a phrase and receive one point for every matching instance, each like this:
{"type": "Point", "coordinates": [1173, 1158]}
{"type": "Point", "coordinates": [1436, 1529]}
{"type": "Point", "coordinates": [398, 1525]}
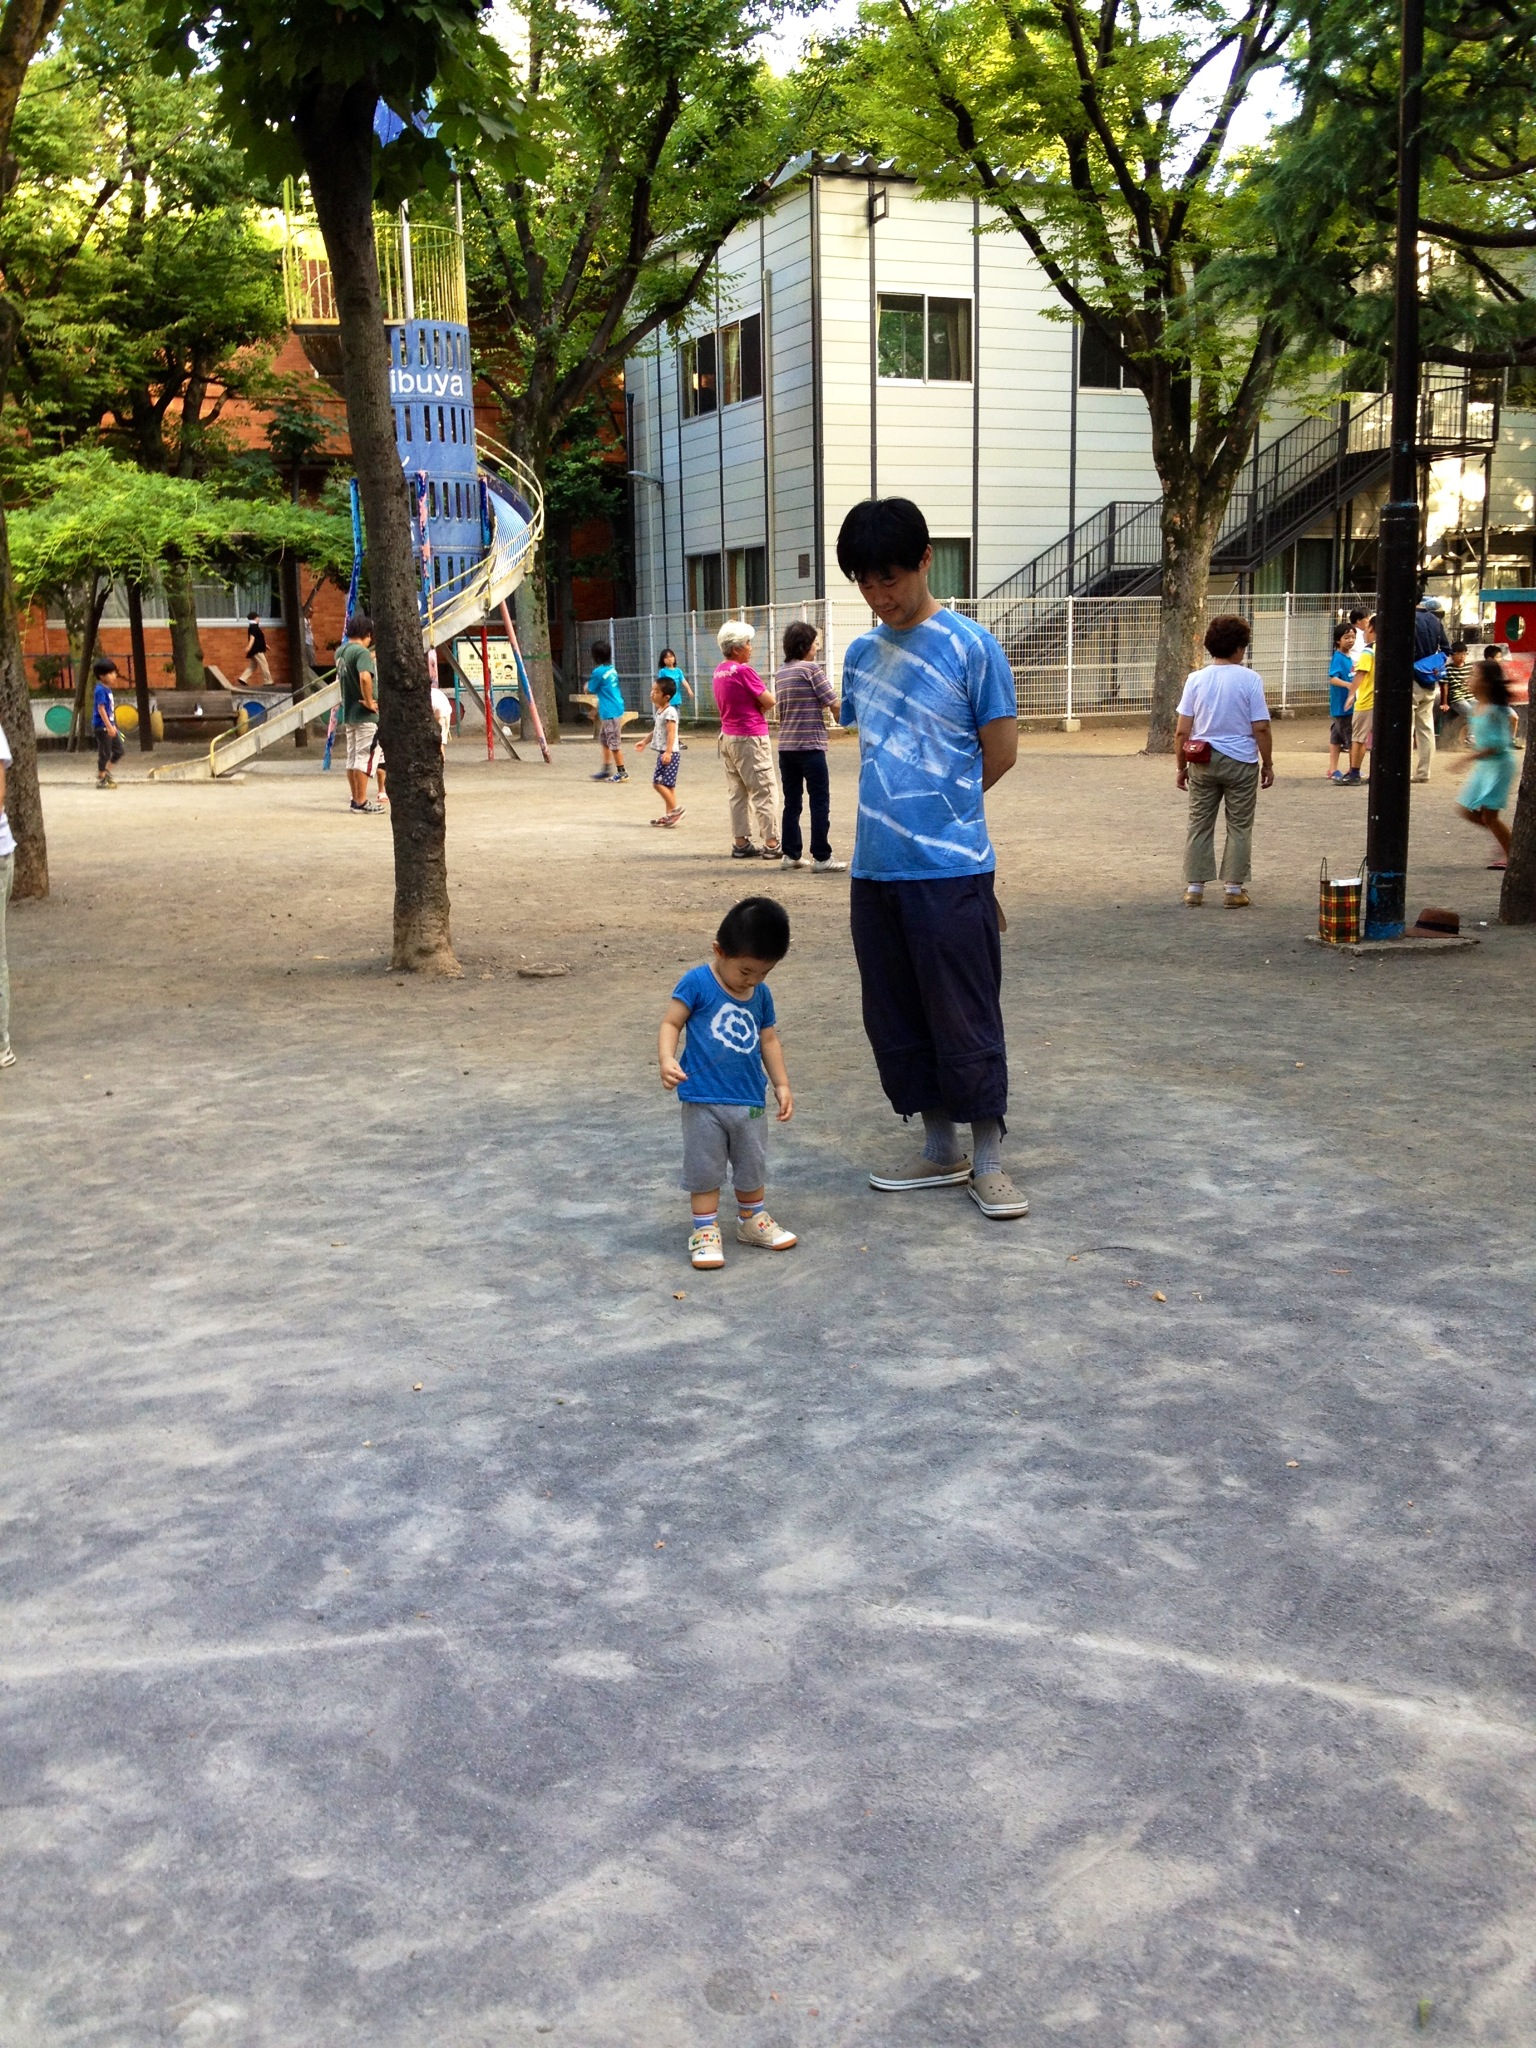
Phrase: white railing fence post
{"type": "Point", "coordinates": [1285, 657]}
{"type": "Point", "coordinates": [1070, 722]}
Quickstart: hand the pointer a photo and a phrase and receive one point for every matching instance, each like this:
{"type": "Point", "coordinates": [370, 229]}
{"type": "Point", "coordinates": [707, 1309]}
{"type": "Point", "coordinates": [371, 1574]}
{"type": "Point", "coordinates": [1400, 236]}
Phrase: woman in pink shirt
{"type": "Point", "coordinates": [743, 698]}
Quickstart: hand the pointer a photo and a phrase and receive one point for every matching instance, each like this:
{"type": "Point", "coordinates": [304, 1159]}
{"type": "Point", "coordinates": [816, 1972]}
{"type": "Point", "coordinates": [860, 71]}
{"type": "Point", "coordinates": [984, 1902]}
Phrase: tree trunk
{"type": "Point", "coordinates": [85, 682]}
{"type": "Point", "coordinates": [1517, 898]}
{"type": "Point", "coordinates": [532, 607]}
{"type": "Point", "coordinates": [293, 622]}
{"type": "Point", "coordinates": [1191, 521]}
{"type": "Point", "coordinates": [140, 669]}
{"type": "Point", "coordinates": [335, 135]}
{"type": "Point", "coordinates": [23, 799]}
{"type": "Point", "coordinates": [186, 642]}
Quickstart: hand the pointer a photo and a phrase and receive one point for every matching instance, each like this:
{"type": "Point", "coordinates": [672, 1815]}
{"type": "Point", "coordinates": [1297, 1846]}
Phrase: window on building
{"type": "Point", "coordinates": [737, 352]}
{"type": "Point", "coordinates": [950, 575]}
{"type": "Point", "coordinates": [705, 584]}
{"type": "Point", "coordinates": [699, 391]}
{"type": "Point", "coordinates": [746, 580]}
{"type": "Point", "coordinates": [900, 350]}
{"type": "Point", "coordinates": [922, 340]}
{"type": "Point", "coordinates": [1098, 365]}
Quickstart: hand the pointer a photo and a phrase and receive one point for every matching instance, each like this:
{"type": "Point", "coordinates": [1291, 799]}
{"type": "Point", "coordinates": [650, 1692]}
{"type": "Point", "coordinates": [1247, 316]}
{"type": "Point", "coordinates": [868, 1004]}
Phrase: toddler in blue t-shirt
{"type": "Point", "coordinates": [727, 1014]}
{"type": "Point", "coordinates": [1341, 697]}
{"type": "Point", "coordinates": [604, 685]}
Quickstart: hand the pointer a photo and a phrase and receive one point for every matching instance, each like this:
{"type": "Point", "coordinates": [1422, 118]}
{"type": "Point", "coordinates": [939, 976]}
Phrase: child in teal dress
{"type": "Point", "coordinates": [1491, 735]}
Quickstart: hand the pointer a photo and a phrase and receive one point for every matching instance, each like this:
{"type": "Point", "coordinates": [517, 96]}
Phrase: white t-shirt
{"type": "Point", "coordinates": [661, 738]}
{"type": "Point", "coordinates": [7, 840]}
{"type": "Point", "coordinates": [1225, 702]}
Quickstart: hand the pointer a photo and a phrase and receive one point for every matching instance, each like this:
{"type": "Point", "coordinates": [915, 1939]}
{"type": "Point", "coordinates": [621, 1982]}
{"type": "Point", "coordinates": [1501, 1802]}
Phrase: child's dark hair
{"type": "Point", "coordinates": [359, 627]}
{"type": "Point", "coordinates": [756, 928]}
{"type": "Point", "coordinates": [1458, 647]}
{"type": "Point", "coordinates": [661, 683]}
{"type": "Point", "coordinates": [602, 650]}
{"type": "Point", "coordinates": [668, 654]}
{"type": "Point", "coordinates": [1493, 679]}
{"type": "Point", "coordinates": [1493, 651]}
{"type": "Point", "coordinates": [1344, 626]}
{"type": "Point", "coordinates": [799, 639]}
{"type": "Point", "coordinates": [1358, 617]}
{"type": "Point", "coordinates": [1227, 636]}
{"type": "Point", "coordinates": [102, 666]}
{"type": "Point", "coordinates": [881, 534]}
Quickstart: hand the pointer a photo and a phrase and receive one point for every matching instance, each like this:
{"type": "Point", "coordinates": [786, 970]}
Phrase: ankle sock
{"type": "Point", "coordinates": [702, 1222]}
{"type": "Point", "coordinates": [941, 1145]}
{"type": "Point", "coordinates": [1233, 888]}
{"type": "Point", "coordinates": [987, 1146]}
{"type": "Point", "coordinates": [750, 1208]}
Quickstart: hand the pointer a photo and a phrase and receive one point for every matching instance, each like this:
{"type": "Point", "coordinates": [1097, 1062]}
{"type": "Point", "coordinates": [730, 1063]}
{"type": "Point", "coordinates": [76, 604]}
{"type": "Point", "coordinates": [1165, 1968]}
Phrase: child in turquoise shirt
{"type": "Point", "coordinates": [606, 688]}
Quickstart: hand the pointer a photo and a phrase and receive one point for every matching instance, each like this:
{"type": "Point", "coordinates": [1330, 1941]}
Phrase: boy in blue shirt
{"type": "Point", "coordinates": [1341, 698]}
{"type": "Point", "coordinates": [606, 688]}
{"type": "Point", "coordinates": [933, 698]}
{"type": "Point", "coordinates": [109, 741]}
{"type": "Point", "coordinates": [727, 1013]}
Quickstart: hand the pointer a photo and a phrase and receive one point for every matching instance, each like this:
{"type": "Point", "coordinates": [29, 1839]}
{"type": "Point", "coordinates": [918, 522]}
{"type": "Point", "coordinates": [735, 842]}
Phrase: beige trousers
{"type": "Point", "coordinates": [1212, 783]}
{"type": "Point", "coordinates": [751, 786]}
{"type": "Point", "coordinates": [1424, 702]}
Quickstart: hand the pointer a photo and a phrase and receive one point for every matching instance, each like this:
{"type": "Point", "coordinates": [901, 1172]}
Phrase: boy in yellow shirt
{"type": "Point", "coordinates": [1362, 702]}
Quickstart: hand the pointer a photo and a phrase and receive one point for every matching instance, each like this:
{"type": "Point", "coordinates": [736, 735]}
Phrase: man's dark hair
{"type": "Point", "coordinates": [799, 639]}
{"type": "Point", "coordinates": [756, 928]}
{"type": "Point", "coordinates": [103, 666]}
{"type": "Point", "coordinates": [602, 650]}
{"type": "Point", "coordinates": [359, 627]}
{"type": "Point", "coordinates": [1345, 626]}
{"type": "Point", "coordinates": [1227, 636]}
{"type": "Point", "coordinates": [881, 534]}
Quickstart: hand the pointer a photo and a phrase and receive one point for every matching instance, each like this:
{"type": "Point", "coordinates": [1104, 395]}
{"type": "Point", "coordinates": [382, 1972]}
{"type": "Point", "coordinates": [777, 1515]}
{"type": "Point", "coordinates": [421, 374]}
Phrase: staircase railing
{"type": "Point", "coordinates": [1320, 462]}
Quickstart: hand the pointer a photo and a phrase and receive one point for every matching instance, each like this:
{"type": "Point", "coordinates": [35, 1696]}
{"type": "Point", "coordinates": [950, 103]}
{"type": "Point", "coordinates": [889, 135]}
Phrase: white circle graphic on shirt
{"type": "Point", "coordinates": [734, 1028]}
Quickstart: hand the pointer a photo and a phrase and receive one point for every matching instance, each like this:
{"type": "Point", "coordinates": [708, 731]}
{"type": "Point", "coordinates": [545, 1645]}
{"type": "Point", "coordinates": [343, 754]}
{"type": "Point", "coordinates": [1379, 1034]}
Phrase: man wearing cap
{"type": "Point", "coordinates": [1431, 652]}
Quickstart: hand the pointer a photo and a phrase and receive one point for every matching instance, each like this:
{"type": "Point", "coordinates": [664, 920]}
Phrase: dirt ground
{"type": "Point", "coordinates": [433, 1615]}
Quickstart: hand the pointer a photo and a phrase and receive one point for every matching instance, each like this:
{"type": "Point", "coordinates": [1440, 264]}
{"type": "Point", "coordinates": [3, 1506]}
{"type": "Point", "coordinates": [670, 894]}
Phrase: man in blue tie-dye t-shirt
{"type": "Point", "coordinates": [932, 696]}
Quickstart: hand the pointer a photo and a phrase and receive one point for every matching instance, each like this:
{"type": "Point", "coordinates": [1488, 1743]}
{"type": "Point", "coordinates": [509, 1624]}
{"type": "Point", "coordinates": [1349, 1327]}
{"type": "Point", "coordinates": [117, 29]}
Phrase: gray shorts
{"type": "Point", "coordinates": [721, 1134]}
{"type": "Point", "coordinates": [360, 741]}
{"type": "Point", "coordinates": [610, 731]}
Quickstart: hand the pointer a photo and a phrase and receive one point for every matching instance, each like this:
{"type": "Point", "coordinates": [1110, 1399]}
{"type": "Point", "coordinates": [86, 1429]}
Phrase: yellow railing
{"type": "Point", "coordinates": [421, 273]}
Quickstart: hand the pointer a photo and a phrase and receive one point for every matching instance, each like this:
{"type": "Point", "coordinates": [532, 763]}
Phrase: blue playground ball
{"type": "Point", "coordinates": [255, 711]}
{"type": "Point", "coordinates": [508, 708]}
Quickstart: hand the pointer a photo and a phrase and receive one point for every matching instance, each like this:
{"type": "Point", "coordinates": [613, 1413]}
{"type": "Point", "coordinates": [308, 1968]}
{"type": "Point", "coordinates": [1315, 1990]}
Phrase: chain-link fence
{"type": "Point", "coordinates": [1074, 657]}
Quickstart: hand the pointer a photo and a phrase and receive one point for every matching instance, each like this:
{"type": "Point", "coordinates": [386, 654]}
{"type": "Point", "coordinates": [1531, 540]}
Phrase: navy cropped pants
{"type": "Point", "coordinates": [931, 968]}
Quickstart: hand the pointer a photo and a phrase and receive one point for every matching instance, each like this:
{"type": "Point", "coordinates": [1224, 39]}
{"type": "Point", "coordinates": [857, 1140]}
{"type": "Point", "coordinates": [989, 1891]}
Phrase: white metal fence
{"type": "Point", "coordinates": [1076, 657]}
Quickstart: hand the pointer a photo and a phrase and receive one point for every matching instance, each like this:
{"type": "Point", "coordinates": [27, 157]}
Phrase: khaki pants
{"type": "Point", "coordinates": [751, 787]}
{"type": "Point", "coordinates": [1424, 702]}
{"type": "Point", "coordinates": [7, 876]}
{"type": "Point", "coordinates": [1212, 783]}
{"type": "Point", "coordinates": [258, 663]}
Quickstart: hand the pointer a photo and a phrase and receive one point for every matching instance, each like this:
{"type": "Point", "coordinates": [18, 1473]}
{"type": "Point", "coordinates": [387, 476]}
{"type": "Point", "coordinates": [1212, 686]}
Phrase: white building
{"type": "Point", "coordinates": [861, 339]}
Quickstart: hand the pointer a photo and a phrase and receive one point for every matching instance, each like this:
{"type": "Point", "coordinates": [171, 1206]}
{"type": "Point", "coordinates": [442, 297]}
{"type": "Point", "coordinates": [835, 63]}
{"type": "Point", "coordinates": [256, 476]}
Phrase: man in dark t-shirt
{"type": "Point", "coordinates": [357, 673]}
{"type": "Point", "coordinates": [256, 652]}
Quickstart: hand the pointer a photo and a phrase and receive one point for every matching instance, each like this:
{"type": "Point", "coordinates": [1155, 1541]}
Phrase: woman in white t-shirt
{"type": "Point", "coordinates": [1225, 757]}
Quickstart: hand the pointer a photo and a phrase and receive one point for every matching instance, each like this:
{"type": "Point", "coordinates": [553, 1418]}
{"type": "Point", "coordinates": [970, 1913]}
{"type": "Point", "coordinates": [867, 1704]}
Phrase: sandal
{"type": "Point", "coordinates": [671, 817]}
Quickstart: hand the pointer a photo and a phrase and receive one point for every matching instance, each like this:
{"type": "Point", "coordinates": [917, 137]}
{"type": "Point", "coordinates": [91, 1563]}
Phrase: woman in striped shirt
{"type": "Point", "coordinates": [804, 697]}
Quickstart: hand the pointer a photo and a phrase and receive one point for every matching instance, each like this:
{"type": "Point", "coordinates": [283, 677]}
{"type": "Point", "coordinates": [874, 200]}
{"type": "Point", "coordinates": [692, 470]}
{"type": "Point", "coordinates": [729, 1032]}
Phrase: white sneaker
{"type": "Point", "coordinates": [7, 1058]}
{"type": "Point", "coordinates": [706, 1247]}
{"type": "Point", "coordinates": [762, 1231]}
{"type": "Point", "coordinates": [830, 867]}
{"type": "Point", "coordinates": [798, 862]}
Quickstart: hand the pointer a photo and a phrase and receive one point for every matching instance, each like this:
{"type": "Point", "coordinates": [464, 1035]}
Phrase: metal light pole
{"type": "Point", "coordinates": [1386, 845]}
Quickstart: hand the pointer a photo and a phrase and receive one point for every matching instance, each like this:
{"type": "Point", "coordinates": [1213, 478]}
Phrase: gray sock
{"type": "Point", "coordinates": [987, 1145]}
{"type": "Point", "coordinates": [942, 1141]}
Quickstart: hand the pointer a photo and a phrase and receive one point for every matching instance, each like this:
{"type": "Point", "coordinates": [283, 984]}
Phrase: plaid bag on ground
{"type": "Point", "coordinates": [1338, 908]}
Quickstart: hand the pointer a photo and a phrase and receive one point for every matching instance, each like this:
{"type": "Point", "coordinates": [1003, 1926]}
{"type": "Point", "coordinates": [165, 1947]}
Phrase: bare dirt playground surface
{"type": "Point", "coordinates": [433, 1616]}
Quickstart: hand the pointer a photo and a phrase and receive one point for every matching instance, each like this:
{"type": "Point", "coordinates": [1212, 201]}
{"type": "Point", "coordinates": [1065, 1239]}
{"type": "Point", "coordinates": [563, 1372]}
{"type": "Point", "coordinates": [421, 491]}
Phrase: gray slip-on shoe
{"type": "Point", "coordinates": [996, 1196]}
{"type": "Point", "coordinates": [923, 1173]}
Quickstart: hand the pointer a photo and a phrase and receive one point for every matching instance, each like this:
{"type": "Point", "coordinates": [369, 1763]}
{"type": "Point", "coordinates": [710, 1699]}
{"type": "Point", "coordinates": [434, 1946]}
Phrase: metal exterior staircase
{"type": "Point", "coordinates": [1317, 466]}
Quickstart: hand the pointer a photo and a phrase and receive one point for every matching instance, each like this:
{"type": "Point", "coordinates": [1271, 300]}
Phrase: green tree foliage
{"type": "Point", "coordinates": [1102, 135]}
{"type": "Point", "coordinates": [24, 27]}
{"type": "Point", "coordinates": [1335, 165]}
{"type": "Point", "coordinates": [299, 89]}
{"type": "Point", "coordinates": [661, 130]}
